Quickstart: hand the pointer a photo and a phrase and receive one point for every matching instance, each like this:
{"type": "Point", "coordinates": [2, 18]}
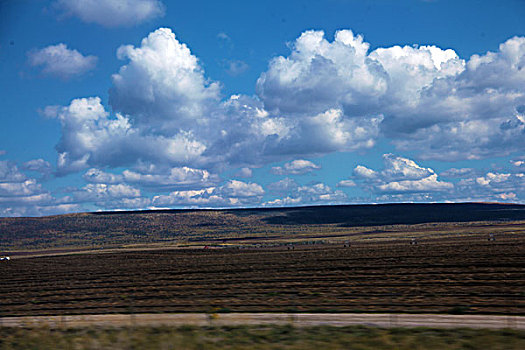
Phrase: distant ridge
{"type": "Point", "coordinates": [365, 214]}
{"type": "Point", "coordinates": [402, 213]}
{"type": "Point", "coordinates": [117, 228]}
{"type": "Point", "coordinates": [274, 209]}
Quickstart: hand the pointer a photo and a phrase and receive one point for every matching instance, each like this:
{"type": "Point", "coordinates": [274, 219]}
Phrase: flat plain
{"type": "Point", "coordinates": [452, 274]}
{"type": "Point", "coordinates": [316, 260]}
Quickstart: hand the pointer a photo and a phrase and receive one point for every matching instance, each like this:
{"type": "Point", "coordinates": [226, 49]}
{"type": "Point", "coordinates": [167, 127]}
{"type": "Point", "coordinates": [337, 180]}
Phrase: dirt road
{"type": "Point", "coordinates": [298, 320]}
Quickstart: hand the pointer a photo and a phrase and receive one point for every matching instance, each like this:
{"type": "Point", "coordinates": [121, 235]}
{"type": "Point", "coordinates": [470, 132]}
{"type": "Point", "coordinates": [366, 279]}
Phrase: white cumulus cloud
{"type": "Point", "coordinates": [99, 192]}
{"type": "Point", "coordinates": [346, 183]}
{"type": "Point", "coordinates": [172, 129]}
{"type": "Point", "coordinates": [174, 177]}
{"type": "Point", "coordinates": [427, 184]}
{"type": "Point", "coordinates": [296, 167]}
{"type": "Point", "coordinates": [62, 62]}
{"type": "Point", "coordinates": [364, 172]}
{"type": "Point", "coordinates": [90, 137]}
{"type": "Point", "coordinates": [232, 193]}
{"type": "Point", "coordinates": [21, 195]}
{"type": "Point", "coordinates": [493, 186]}
{"type": "Point", "coordinates": [94, 175]}
{"type": "Point", "coordinates": [244, 172]}
{"type": "Point", "coordinates": [289, 192]}
{"type": "Point", "coordinates": [426, 98]}
{"type": "Point", "coordinates": [400, 175]}
{"type": "Point", "coordinates": [319, 75]}
{"type": "Point", "coordinates": [9, 172]}
{"type": "Point", "coordinates": [163, 85]}
{"type": "Point", "coordinates": [169, 114]}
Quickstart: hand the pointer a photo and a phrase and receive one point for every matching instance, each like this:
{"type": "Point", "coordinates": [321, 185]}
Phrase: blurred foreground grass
{"type": "Point", "coordinates": [260, 337]}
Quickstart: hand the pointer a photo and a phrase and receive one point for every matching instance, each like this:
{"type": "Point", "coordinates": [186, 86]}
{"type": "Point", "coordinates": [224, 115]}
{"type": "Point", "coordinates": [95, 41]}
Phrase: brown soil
{"type": "Point", "coordinates": [463, 274]}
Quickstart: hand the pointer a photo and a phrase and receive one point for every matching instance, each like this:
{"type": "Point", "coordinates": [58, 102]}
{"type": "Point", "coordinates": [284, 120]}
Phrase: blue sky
{"type": "Point", "coordinates": [136, 104]}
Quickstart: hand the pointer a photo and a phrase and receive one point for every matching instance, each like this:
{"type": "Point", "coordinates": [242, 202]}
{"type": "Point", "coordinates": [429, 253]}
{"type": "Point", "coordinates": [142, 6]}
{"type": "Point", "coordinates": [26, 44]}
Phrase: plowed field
{"type": "Point", "coordinates": [467, 274]}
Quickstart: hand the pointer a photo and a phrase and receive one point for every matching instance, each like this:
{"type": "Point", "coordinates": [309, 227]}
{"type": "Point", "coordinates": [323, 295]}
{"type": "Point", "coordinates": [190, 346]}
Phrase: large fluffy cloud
{"type": "Point", "coordinates": [171, 129]}
{"type": "Point", "coordinates": [169, 114]}
{"type": "Point", "coordinates": [319, 75]}
{"type": "Point", "coordinates": [428, 98]}
{"type": "Point", "coordinates": [60, 61]}
{"type": "Point", "coordinates": [90, 137]}
{"type": "Point", "coordinates": [112, 13]}
{"type": "Point", "coordinates": [327, 97]}
{"type": "Point", "coordinates": [163, 91]}
{"type": "Point", "coordinates": [163, 86]}
{"type": "Point", "coordinates": [474, 113]}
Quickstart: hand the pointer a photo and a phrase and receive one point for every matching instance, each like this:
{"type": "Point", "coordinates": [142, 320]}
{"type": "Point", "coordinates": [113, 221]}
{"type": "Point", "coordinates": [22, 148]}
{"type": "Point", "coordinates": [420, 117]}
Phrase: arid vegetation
{"type": "Point", "coordinates": [242, 226]}
{"type": "Point", "coordinates": [259, 337]}
{"type": "Point", "coordinates": [463, 273]}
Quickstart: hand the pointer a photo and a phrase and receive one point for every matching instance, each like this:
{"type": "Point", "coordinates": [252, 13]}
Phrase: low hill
{"type": "Point", "coordinates": [104, 229]}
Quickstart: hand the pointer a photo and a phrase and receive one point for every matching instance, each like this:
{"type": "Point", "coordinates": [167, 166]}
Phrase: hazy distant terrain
{"type": "Point", "coordinates": [115, 229]}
